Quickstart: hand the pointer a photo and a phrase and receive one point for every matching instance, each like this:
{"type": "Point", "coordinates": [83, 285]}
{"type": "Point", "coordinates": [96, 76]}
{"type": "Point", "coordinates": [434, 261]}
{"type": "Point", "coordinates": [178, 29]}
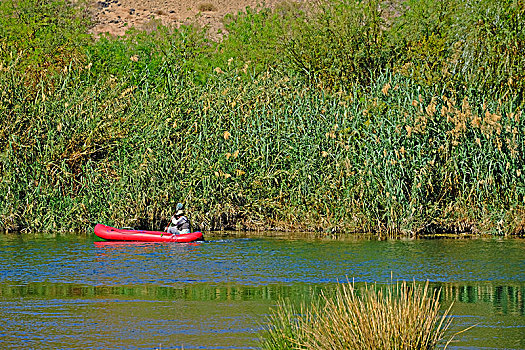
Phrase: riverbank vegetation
{"type": "Point", "coordinates": [400, 316]}
{"type": "Point", "coordinates": [340, 116]}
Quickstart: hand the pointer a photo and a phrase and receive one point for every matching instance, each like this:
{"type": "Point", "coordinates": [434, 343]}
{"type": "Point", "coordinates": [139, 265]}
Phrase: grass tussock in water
{"type": "Point", "coordinates": [401, 316]}
{"type": "Point", "coordinates": [285, 124]}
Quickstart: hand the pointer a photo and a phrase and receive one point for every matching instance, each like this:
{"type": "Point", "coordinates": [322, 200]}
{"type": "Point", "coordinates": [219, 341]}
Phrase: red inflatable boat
{"type": "Point", "coordinates": [109, 233]}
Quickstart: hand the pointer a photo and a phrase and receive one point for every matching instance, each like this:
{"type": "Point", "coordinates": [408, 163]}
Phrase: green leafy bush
{"type": "Point", "coordinates": [153, 57]}
{"type": "Point", "coordinates": [338, 43]}
{"type": "Point", "coordinates": [42, 37]}
{"type": "Point", "coordinates": [489, 39]}
{"type": "Point", "coordinates": [463, 46]}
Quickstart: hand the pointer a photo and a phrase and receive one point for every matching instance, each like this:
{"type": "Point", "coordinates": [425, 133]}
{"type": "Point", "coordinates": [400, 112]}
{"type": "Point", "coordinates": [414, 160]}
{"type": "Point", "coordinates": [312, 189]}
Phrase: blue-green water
{"type": "Point", "coordinates": [70, 292]}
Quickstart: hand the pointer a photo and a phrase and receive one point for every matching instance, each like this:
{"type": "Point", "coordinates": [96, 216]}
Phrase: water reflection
{"type": "Point", "coordinates": [213, 317]}
{"type": "Point", "coordinates": [149, 292]}
{"type": "Point", "coordinates": [214, 294]}
{"type": "Point", "coordinates": [504, 299]}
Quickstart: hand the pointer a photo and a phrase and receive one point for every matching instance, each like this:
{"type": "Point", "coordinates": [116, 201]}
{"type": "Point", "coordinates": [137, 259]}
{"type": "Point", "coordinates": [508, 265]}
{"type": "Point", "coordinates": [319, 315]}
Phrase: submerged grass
{"type": "Point", "coordinates": [251, 139]}
{"type": "Point", "coordinates": [400, 316]}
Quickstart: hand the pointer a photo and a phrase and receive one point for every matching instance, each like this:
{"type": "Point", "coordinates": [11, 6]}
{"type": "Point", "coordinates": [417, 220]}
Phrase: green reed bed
{"type": "Point", "coordinates": [137, 124]}
{"type": "Point", "coordinates": [271, 152]}
{"type": "Point", "coordinates": [400, 316]}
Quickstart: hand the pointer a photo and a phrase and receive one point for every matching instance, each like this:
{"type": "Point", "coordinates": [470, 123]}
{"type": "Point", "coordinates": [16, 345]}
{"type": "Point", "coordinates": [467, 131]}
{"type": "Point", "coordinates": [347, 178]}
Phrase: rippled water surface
{"type": "Point", "coordinates": [71, 292]}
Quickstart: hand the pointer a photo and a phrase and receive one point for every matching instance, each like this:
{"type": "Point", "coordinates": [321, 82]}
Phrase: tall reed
{"type": "Point", "coordinates": [271, 152]}
{"type": "Point", "coordinates": [400, 316]}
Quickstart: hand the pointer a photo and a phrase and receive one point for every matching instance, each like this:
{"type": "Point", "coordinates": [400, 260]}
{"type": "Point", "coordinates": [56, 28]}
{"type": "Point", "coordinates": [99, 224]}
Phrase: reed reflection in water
{"type": "Point", "coordinates": [212, 316]}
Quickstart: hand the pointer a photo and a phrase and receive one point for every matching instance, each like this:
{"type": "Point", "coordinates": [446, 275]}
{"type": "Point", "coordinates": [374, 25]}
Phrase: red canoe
{"type": "Point", "coordinates": [109, 233]}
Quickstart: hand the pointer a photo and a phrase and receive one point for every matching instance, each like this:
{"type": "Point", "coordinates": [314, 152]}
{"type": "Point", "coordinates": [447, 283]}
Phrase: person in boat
{"type": "Point", "coordinates": [179, 224]}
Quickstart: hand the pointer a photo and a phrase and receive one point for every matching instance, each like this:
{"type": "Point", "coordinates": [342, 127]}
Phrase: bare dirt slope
{"type": "Point", "coordinates": [116, 16]}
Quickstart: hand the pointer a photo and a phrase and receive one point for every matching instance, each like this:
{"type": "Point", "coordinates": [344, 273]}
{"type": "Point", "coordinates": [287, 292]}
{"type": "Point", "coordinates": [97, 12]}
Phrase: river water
{"type": "Point", "coordinates": [74, 293]}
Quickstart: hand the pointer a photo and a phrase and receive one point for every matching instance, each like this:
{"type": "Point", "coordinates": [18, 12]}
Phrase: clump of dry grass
{"type": "Point", "coordinates": [207, 7]}
{"type": "Point", "coordinates": [400, 316]}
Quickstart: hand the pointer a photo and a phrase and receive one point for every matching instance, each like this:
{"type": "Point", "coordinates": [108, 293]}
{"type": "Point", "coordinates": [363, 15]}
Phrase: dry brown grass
{"type": "Point", "coordinates": [207, 7]}
{"type": "Point", "coordinates": [401, 316]}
